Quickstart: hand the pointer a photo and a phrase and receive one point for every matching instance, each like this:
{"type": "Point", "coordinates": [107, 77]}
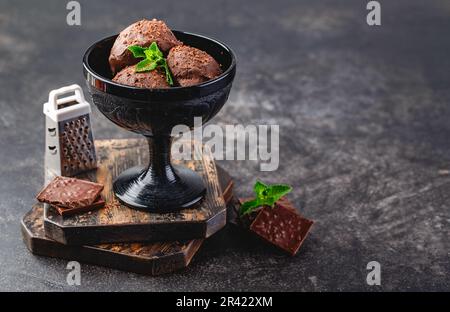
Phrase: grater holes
{"type": "Point", "coordinates": [77, 145]}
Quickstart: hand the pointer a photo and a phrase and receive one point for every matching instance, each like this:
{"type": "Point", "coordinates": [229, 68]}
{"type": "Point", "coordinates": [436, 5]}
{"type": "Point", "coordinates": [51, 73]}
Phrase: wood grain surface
{"type": "Point", "coordinates": [119, 223]}
{"type": "Point", "coordinates": [144, 258]}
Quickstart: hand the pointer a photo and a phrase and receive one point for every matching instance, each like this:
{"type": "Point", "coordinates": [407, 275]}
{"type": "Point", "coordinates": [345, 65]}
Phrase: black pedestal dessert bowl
{"type": "Point", "coordinates": [161, 186]}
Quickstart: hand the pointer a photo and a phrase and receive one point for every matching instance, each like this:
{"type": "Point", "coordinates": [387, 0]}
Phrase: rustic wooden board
{"type": "Point", "coordinates": [118, 223]}
{"type": "Point", "coordinates": [144, 258]}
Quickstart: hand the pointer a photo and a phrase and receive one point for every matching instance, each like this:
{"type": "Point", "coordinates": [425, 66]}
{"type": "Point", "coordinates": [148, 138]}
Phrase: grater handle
{"type": "Point", "coordinates": [54, 94]}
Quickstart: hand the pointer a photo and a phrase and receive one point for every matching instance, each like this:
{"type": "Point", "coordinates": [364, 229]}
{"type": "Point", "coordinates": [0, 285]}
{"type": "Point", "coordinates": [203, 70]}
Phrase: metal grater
{"type": "Point", "coordinates": [69, 143]}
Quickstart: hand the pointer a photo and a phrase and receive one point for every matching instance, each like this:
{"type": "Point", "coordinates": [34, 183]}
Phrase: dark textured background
{"type": "Point", "coordinates": [364, 121]}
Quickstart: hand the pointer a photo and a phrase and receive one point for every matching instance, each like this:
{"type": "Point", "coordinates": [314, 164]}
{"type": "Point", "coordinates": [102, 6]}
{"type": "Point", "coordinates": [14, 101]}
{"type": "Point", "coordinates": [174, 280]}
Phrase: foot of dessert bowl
{"type": "Point", "coordinates": [149, 79]}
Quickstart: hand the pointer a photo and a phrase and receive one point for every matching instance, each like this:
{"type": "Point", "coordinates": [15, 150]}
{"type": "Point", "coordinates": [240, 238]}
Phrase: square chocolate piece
{"type": "Point", "coordinates": [65, 212]}
{"type": "Point", "coordinates": [70, 192]}
{"type": "Point", "coordinates": [282, 226]}
{"type": "Point", "coordinates": [247, 219]}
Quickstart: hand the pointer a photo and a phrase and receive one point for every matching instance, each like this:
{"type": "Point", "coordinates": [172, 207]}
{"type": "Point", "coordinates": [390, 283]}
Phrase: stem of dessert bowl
{"type": "Point", "coordinates": [159, 165]}
{"type": "Point", "coordinates": [161, 186]}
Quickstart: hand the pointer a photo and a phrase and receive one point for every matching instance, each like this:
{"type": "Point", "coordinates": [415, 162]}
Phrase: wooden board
{"type": "Point", "coordinates": [144, 258]}
{"type": "Point", "coordinates": [118, 223]}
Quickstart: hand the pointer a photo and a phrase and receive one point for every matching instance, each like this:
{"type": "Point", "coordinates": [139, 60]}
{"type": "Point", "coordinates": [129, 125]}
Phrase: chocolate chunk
{"type": "Point", "coordinates": [282, 226]}
{"type": "Point", "coordinates": [63, 211]}
{"type": "Point", "coordinates": [70, 192]}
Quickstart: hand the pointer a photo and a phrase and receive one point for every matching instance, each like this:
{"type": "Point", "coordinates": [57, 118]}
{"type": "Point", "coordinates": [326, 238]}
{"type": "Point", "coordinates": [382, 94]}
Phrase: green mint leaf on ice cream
{"type": "Point", "coordinates": [153, 59]}
{"type": "Point", "coordinates": [146, 65]}
{"type": "Point", "coordinates": [137, 51]}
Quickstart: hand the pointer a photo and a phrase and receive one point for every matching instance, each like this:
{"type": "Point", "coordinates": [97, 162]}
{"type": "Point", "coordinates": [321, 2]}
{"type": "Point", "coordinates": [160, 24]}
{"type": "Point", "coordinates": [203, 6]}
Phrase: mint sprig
{"type": "Point", "coordinates": [153, 58]}
{"type": "Point", "coordinates": [266, 195]}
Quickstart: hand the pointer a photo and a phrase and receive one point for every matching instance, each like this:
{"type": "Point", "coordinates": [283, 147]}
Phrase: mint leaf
{"type": "Point", "coordinates": [154, 48]}
{"type": "Point", "coordinates": [269, 201]}
{"type": "Point", "coordinates": [153, 58]}
{"type": "Point", "coordinates": [150, 55]}
{"type": "Point", "coordinates": [145, 65]}
{"type": "Point", "coordinates": [259, 188]}
{"type": "Point", "coordinates": [137, 51]}
{"type": "Point", "coordinates": [168, 74]}
{"type": "Point", "coordinates": [249, 206]}
{"type": "Point", "coordinates": [266, 195]}
{"type": "Point", "coordinates": [278, 190]}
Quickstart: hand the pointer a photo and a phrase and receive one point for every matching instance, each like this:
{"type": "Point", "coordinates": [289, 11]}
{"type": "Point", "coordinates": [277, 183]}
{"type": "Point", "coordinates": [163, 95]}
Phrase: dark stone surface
{"type": "Point", "coordinates": [364, 137]}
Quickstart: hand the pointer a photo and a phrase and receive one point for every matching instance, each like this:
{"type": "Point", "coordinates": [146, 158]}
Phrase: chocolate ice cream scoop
{"type": "Point", "coordinates": [154, 79]}
{"type": "Point", "coordinates": [191, 66]}
{"type": "Point", "coordinates": [141, 33]}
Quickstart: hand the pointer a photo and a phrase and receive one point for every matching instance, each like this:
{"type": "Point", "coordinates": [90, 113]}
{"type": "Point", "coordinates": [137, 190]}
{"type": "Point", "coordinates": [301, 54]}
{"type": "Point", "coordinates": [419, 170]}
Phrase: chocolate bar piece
{"type": "Point", "coordinates": [63, 211]}
{"type": "Point", "coordinates": [282, 226]}
{"type": "Point", "coordinates": [70, 192]}
{"type": "Point", "coordinates": [247, 219]}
